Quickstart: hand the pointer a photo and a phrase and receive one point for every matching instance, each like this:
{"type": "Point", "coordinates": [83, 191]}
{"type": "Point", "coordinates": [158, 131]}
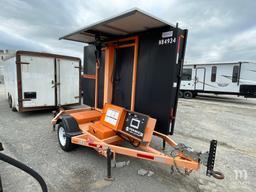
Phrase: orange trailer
{"type": "Point", "coordinates": [103, 128]}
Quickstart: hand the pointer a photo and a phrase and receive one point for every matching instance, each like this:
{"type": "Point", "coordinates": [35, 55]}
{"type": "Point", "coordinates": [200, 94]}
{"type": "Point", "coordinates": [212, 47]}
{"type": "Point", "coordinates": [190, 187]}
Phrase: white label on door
{"type": "Point", "coordinates": [167, 34]}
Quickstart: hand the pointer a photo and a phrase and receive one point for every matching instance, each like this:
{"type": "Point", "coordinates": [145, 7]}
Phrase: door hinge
{"type": "Point", "coordinates": [55, 84]}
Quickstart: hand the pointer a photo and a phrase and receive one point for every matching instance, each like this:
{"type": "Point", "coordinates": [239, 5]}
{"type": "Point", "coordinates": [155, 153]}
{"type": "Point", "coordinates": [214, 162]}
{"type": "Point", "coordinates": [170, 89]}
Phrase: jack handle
{"type": "Point", "coordinates": [210, 163]}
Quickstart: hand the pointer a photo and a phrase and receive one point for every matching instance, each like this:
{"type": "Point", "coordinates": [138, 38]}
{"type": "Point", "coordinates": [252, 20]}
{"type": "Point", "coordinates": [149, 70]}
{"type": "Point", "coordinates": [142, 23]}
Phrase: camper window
{"type": "Point", "coordinates": [235, 74]}
{"type": "Point", "coordinates": [214, 72]}
{"type": "Point", "coordinates": [186, 74]}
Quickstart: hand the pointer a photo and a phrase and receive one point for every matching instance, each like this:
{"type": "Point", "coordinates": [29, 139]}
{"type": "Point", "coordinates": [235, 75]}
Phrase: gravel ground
{"type": "Point", "coordinates": [29, 138]}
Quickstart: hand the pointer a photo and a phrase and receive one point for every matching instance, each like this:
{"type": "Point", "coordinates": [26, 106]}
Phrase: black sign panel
{"type": "Point", "coordinates": [157, 76]}
{"type": "Point", "coordinates": [135, 124]}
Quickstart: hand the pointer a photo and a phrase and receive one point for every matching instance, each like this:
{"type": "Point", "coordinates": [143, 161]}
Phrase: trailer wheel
{"type": "Point", "coordinates": [188, 95]}
{"type": "Point", "coordinates": [10, 101]}
{"type": "Point", "coordinates": [14, 109]}
{"type": "Point", "coordinates": [64, 141]}
{"type": "Point", "coordinates": [11, 104]}
{"type": "Point", "coordinates": [180, 94]}
{"type": "Point", "coordinates": [194, 94]}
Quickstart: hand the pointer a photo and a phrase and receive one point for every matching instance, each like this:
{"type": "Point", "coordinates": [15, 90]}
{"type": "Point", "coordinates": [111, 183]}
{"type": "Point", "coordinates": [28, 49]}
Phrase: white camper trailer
{"type": "Point", "coordinates": [236, 78]}
{"type": "Point", "coordinates": [35, 81]}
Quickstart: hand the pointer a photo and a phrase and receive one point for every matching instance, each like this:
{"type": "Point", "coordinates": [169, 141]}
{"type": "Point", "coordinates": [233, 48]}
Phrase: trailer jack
{"type": "Point", "coordinates": [210, 163]}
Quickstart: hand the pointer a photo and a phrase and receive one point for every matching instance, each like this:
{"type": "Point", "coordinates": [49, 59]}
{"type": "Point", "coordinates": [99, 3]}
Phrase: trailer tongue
{"type": "Point", "coordinates": [131, 80]}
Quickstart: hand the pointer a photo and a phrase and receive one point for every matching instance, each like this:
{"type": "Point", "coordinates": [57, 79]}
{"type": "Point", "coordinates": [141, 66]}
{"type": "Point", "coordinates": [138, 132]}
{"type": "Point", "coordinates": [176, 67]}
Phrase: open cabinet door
{"type": "Point", "coordinates": [122, 78]}
{"type": "Point", "coordinates": [114, 80]}
{"type": "Point", "coordinates": [88, 80]}
{"type": "Point", "coordinates": [68, 81]}
{"type": "Point", "coordinates": [89, 77]}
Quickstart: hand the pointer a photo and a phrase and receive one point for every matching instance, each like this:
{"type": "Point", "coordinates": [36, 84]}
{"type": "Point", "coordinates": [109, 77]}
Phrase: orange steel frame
{"type": "Point", "coordinates": [146, 152]}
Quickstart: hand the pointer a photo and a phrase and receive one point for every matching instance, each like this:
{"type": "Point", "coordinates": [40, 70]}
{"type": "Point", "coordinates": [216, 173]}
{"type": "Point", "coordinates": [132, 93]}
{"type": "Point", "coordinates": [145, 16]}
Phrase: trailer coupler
{"type": "Point", "coordinates": [207, 158]}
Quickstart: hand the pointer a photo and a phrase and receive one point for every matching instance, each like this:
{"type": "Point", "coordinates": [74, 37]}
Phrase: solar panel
{"type": "Point", "coordinates": [130, 22]}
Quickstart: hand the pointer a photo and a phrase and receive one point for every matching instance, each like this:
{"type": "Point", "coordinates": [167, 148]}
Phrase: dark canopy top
{"type": "Point", "coordinates": [130, 22]}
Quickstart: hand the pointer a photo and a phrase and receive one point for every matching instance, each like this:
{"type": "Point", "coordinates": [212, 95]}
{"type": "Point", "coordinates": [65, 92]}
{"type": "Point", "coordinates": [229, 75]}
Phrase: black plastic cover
{"type": "Point", "coordinates": [72, 128]}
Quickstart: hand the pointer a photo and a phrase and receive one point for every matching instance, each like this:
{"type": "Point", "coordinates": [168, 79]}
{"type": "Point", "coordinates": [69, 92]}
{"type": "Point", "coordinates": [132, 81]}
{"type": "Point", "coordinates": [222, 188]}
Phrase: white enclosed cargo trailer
{"type": "Point", "coordinates": [235, 78]}
{"type": "Point", "coordinates": [35, 81]}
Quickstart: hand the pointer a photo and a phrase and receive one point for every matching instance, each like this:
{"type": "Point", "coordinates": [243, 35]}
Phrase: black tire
{"type": "Point", "coordinates": [67, 145]}
{"type": "Point", "coordinates": [181, 94]}
{"type": "Point", "coordinates": [10, 101]}
{"type": "Point", "coordinates": [194, 94]}
{"type": "Point", "coordinates": [14, 109]}
{"type": "Point", "coordinates": [188, 94]}
{"type": "Point", "coordinates": [10, 104]}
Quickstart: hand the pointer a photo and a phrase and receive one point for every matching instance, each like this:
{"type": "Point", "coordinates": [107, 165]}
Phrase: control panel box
{"type": "Point", "coordinates": [113, 116]}
{"type": "Point", "coordinates": [135, 124]}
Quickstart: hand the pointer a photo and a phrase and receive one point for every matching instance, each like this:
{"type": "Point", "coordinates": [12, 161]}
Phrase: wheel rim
{"type": "Point", "coordinates": [62, 137]}
{"type": "Point", "coordinates": [187, 95]}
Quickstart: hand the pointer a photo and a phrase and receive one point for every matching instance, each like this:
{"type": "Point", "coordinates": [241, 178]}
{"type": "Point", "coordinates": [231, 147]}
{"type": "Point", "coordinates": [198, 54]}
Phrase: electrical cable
{"type": "Point", "coordinates": [26, 169]}
{"type": "Point", "coordinates": [129, 140]}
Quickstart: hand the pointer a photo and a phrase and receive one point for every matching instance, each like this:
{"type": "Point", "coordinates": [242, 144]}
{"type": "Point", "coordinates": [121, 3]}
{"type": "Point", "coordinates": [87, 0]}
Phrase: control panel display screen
{"type": "Point", "coordinates": [135, 124]}
{"type": "Point", "coordinates": [111, 117]}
